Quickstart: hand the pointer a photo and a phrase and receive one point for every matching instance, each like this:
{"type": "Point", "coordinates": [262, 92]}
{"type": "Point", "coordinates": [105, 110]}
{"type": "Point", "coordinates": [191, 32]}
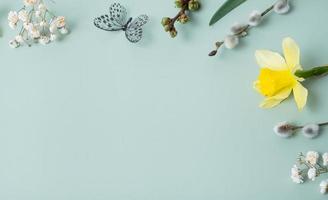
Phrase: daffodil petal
{"type": "Point", "coordinates": [256, 86]}
{"type": "Point", "coordinates": [271, 60]}
{"type": "Point", "coordinates": [270, 103]}
{"type": "Point", "coordinates": [291, 53]}
{"type": "Point", "coordinates": [277, 99]}
{"type": "Point", "coordinates": [300, 95]}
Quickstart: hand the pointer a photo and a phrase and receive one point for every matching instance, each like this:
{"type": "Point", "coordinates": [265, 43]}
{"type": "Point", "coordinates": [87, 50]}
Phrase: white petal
{"type": "Point", "coordinates": [291, 53]}
{"type": "Point", "coordinates": [271, 60]}
{"type": "Point", "coordinates": [300, 95]}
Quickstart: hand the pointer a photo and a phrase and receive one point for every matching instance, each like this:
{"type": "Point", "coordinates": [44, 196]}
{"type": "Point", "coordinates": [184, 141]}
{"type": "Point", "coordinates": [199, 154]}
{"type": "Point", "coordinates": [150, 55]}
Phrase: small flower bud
{"type": "Point", "coordinates": [63, 30]}
{"type": "Point", "coordinates": [311, 130]}
{"type": "Point", "coordinates": [193, 5]}
{"type": "Point", "coordinates": [255, 18]}
{"type": "Point", "coordinates": [37, 14]}
{"type": "Point", "coordinates": [42, 7]}
{"type": "Point", "coordinates": [165, 21]}
{"type": "Point", "coordinates": [43, 23]}
{"type": "Point", "coordinates": [178, 3]}
{"type": "Point", "coordinates": [12, 25]}
{"type": "Point", "coordinates": [53, 37]}
{"type": "Point", "coordinates": [13, 44]}
{"type": "Point", "coordinates": [19, 38]}
{"type": "Point", "coordinates": [312, 157]}
{"type": "Point", "coordinates": [167, 28]}
{"type": "Point", "coordinates": [281, 7]}
{"type": "Point", "coordinates": [23, 15]}
{"type": "Point", "coordinates": [213, 53]}
{"type": "Point", "coordinates": [44, 40]}
{"type": "Point", "coordinates": [173, 33]}
{"type": "Point", "coordinates": [312, 173]}
{"type": "Point", "coordinates": [283, 129]}
{"type": "Point", "coordinates": [13, 17]}
{"type": "Point", "coordinates": [27, 26]}
{"type": "Point", "coordinates": [296, 175]}
{"type": "Point", "coordinates": [231, 41]}
{"type": "Point", "coordinates": [183, 19]}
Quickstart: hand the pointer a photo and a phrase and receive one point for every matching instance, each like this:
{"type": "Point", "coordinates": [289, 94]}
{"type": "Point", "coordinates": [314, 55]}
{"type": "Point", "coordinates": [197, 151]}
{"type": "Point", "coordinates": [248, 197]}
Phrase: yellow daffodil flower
{"type": "Point", "coordinates": [277, 77]}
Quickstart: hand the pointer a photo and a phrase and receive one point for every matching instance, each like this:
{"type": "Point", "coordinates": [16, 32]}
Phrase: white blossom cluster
{"type": "Point", "coordinates": [308, 166]}
{"type": "Point", "coordinates": [37, 24]}
{"type": "Point", "coordinates": [255, 17]}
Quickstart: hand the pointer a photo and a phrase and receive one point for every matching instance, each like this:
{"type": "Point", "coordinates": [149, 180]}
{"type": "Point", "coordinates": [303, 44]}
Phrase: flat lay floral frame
{"type": "Point", "coordinates": [279, 76]}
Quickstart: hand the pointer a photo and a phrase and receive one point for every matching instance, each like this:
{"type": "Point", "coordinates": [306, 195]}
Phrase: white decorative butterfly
{"type": "Point", "coordinates": [117, 21]}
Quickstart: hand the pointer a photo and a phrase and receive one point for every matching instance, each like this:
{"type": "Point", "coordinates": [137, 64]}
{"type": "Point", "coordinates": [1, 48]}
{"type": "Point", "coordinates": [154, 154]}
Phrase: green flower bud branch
{"type": "Point", "coordinates": [316, 71]}
{"type": "Point", "coordinates": [185, 6]}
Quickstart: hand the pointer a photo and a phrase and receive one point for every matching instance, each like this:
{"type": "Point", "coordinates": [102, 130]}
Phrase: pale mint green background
{"type": "Point", "coordinates": [95, 117]}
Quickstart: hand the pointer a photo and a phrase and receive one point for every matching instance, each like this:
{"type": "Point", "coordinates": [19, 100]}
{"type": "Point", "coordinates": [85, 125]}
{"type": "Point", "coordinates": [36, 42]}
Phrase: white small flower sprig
{"type": "Point", "coordinates": [240, 30]}
{"type": "Point", "coordinates": [38, 24]}
{"type": "Point", "coordinates": [286, 130]}
{"type": "Point", "coordinates": [309, 167]}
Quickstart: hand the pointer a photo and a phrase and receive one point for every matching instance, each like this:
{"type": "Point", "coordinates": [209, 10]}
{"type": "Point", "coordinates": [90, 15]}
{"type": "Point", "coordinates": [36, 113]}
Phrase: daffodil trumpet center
{"type": "Point", "coordinates": [270, 82]}
{"type": "Point", "coordinates": [316, 71]}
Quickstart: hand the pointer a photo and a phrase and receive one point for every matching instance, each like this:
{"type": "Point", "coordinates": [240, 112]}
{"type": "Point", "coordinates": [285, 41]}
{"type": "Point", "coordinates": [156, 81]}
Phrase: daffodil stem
{"type": "Point", "coordinates": [316, 71]}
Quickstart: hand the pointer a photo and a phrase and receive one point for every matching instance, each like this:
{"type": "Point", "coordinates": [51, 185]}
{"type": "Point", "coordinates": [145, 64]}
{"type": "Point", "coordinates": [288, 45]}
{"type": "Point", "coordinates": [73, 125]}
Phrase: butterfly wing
{"type": "Point", "coordinates": [118, 14]}
{"type": "Point", "coordinates": [115, 21]}
{"type": "Point", "coordinates": [106, 23]}
{"type": "Point", "coordinates": [134, 31]}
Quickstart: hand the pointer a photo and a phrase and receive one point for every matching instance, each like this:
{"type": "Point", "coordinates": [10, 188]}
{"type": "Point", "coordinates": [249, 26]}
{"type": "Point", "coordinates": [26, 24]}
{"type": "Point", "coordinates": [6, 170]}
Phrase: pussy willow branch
{"type": "Point", "coordinates": [299, 127]}
{"type": "Point", "coordinates": [240, 34]}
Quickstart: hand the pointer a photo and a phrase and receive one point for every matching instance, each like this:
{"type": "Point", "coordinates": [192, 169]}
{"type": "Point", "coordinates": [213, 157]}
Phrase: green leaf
{"type": "Point", "coordinates": [228, 6]}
